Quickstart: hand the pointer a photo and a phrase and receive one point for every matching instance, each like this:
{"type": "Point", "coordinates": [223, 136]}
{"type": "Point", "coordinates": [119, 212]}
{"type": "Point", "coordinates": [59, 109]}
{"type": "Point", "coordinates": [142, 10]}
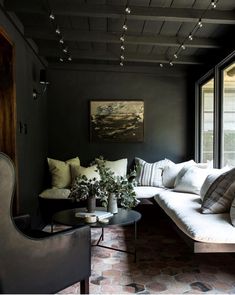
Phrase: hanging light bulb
{"type": "Point", "coordinates": [161, 65]}
{"type": "Point", "coordinates": [124, 27]}
{"type": "Point", "coordinates": [171, 63]}
{"type": "Point", "coordinates": [175, 55]}
{"type": "Point", "coordinates": [51, 16]}
{"type": "Point", "coordinates": [69, 58]}
{"type": "Point", "coordinates": [122, 57]}
{"type": "Point", "coordinates": [200, 23]}
{"type": "Point", "coordinates": [121, 63]}
{"type": "Point", "coordinates": [183, 47]}
{"type": "Point", "coordinates": [127, 10]}
{"type": "Point", "coordinates": [122, 38]}
{"type": "Point", "coordinates": [61, 41]}
{"type": "Point", "coordinates": [213, 3]}
{"type": "Point", "coordinates": [122, 47]}
{"type": "Point", "coordinates": [65, 50]}
{"type": "Point", "coordinates": [57, 31]}
{"type": "Point", "coordinates": [61, 59]}
{"type": "Point", "coordinates": [190, 37]}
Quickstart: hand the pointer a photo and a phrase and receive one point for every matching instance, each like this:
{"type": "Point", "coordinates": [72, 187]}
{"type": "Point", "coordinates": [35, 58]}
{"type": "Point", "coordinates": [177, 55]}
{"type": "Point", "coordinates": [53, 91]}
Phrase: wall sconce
{"type": "Point", "coordinates": [43, 82]}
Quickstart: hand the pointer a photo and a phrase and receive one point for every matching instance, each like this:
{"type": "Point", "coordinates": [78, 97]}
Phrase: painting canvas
{"type": "Point", "coordinates": [117, 121]}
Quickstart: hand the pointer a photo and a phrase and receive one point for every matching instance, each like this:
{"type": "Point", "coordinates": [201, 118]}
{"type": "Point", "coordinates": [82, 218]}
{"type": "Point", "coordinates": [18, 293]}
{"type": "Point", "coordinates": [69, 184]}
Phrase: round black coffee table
{"type": "Point", "coordinates": [123, 217]}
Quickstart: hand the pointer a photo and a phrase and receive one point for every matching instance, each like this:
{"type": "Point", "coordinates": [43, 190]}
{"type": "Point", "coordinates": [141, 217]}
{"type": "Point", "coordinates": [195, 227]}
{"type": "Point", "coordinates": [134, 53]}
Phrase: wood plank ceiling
{"type": "Point", "coordinates": [91, 29]}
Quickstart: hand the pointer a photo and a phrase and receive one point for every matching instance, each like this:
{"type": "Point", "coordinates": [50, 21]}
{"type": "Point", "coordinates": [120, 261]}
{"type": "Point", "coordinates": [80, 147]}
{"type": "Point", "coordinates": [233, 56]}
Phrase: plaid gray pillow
{"type": "Point", "coordinates": [220, 194]}
{"type": "Point", "coordinates": [232, 212]}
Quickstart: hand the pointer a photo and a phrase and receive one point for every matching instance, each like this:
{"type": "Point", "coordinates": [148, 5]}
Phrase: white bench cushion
{"type": "Point", "coordinates": [146, 192]}
{"type": "Point", "coordinates": [184, 210]}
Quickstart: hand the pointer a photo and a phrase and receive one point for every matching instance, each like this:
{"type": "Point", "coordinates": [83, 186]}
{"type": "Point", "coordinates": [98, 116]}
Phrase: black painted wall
{"type": "Point", "coordinates": [31, 148]}
{"type": "Point", "coordinates": [168, 121]}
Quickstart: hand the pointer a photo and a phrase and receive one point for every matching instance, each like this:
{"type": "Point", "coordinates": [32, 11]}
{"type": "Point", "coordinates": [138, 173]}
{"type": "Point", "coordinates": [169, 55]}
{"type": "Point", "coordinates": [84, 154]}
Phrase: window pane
{"type": "Point", "coordinates": [207, 121]}
{"type": "Point", "coordinates": [228, 145]}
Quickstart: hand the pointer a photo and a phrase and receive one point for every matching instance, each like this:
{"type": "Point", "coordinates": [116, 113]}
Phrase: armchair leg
{"type": "Point", "coordinates": [84, 286]}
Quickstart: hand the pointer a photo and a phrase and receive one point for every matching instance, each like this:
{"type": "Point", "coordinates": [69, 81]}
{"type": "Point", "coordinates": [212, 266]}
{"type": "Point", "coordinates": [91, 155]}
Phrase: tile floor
{"type": "Point", "coordinates": [165, 264]}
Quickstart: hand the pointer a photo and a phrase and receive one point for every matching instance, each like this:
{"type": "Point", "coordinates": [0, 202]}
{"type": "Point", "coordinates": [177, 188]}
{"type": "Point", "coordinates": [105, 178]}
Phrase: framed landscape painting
{"type": "Point", "coordinates": [117, 120]}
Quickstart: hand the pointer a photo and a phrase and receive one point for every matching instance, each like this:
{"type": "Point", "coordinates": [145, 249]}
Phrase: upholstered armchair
{"type": "Point", "coordinates": [38, 265]}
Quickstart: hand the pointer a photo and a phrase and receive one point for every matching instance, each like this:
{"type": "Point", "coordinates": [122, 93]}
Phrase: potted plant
{"type": "Point", "coordinates": [116, 190]}
{"type": "Point", "coordinates": [86, 189]}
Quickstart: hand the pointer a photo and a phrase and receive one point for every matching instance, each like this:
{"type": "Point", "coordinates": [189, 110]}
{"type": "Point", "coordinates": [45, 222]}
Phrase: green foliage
{"type": "Point", "coordinates": [122, 187]}
{"type": "Point", "coordinates": [84, 188]}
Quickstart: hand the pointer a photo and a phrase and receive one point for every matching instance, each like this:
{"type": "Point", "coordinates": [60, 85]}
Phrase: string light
{"type": "Point", "coordinates": [127, 11]}
{"type": "Point", "coordinates": [190, 37]}
{"type": "Point", "coordinates": [51, 16]}
{"type": "Point", "coordinates": [57, 31]}
{"type": "Point", "coordinates": [200, 23]}
{"type": "Point", "coordinates": [213, 3]}
{"type": "Point", "coordinates": [198, 26]}
{"type": "Point", "coordinates": [61, 41]}
{"type": "Point", "coordinates": [124, 27]}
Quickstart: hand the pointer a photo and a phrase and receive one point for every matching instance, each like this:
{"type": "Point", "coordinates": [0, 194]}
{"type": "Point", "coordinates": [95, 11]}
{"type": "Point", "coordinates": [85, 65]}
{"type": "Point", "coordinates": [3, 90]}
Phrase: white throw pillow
{"type": "Point", "coordinates": [90, 172]}
{"type": "Point", "coordinates": [55, 193]}
{"type": "Point", "coordinates": [171, 171]}
{"type": "Point", "coordinates": [150, 174]}
{"type": "Point", "coordinates": [190, 179]}
{"type": "Point", "coordinates": [118, 167]}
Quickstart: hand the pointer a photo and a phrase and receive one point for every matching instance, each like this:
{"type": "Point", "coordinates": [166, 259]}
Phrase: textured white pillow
{"type": "Point", "coordinates": [190, 179]}
{"type": "Point", "coordinates": [89, 172]}
{"type": "Point", "coordinates": [55, 193]}
{"type": "Point", "coordinates": [171, 171]}
{"type": "Point", "coordinates": [150, 174]}
{"type": "Point", "coordinates": [118, 167]}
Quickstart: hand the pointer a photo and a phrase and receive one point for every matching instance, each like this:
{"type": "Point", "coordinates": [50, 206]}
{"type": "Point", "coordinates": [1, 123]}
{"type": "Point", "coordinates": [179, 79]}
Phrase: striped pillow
{"type": "Point", "coordinates": [220, 194]}
{"type": "Point", "coordinates": [150, 174]}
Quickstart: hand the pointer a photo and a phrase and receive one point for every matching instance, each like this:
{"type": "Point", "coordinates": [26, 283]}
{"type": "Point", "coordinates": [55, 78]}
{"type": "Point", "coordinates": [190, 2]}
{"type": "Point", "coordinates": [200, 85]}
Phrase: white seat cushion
{"type": "Point", "coordinates": [184, 210]}
{"type": "Point", "coordinates": [146, 192]}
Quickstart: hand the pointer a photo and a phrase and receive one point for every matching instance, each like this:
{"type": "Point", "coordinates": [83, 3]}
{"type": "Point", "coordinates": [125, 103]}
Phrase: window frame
{"type": "Point", "coordinates": [215, 73]}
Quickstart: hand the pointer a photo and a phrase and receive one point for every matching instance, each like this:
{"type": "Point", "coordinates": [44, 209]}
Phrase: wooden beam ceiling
{"type": "Point", "coordinates": [114, 56]}
{"type": "Point", "coordinates": [73, 8]}
{"type": "Point", "coordinates": [101, 37]}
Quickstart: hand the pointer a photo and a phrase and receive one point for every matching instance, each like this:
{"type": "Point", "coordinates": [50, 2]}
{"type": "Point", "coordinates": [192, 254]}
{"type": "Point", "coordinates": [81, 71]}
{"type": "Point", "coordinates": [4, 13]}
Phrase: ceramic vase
{"type": "Point", "coordinates": [112, 206]}
{"type": "Point", "coordinates": [91, 204]}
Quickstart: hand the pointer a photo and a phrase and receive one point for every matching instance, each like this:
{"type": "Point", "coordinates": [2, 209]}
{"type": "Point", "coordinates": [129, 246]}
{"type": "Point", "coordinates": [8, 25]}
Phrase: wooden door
{"type": "Point", "coordinates": [7, 101]}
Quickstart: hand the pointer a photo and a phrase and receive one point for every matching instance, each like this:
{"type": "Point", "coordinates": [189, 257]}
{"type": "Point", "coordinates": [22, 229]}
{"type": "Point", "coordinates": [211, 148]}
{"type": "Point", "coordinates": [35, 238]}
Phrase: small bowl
{"type": "Point", "coordinates": [90, 218]}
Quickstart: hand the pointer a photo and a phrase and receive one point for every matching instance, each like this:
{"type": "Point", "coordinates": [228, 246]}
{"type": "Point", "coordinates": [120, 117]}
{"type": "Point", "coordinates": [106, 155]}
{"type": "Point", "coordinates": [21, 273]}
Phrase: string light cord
{"type": "Point", "coordinates": [198, 25]}
{"type": "Point", "coordinates": [65, 54]}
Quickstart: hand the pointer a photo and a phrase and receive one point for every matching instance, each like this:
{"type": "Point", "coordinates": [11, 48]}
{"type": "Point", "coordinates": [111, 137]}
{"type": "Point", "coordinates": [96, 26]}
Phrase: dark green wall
{"type": "Point", "coordinates": [167, 113]}
{"type": "Point", "coordinates": [31, 147]}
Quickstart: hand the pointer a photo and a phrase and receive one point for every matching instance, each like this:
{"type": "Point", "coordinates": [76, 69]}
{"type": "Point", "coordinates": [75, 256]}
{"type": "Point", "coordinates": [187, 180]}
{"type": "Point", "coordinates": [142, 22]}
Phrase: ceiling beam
{"type": "Point", "coordinates": [114, 56]}
{"type": "Point", "coordinates": [73, 8]}
{"type": "Point", "coordinates": [80, 36]}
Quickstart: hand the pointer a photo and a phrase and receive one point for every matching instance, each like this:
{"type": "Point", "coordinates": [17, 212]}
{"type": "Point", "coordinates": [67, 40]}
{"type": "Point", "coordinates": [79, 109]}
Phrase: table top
{"type": "Point", "coordinates": [123, 217]}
